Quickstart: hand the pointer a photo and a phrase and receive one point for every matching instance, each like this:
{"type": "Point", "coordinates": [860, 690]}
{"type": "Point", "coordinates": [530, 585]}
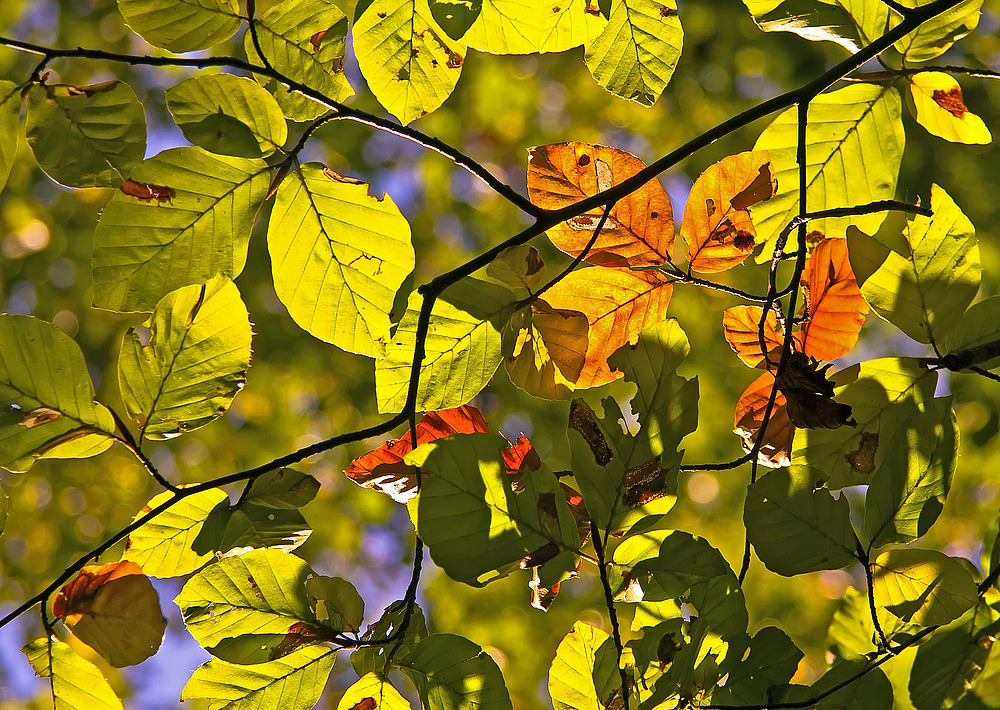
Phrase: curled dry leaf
{"type": "Point", "coordinates": [640, 228]}
{"type": "Point", "coordinates": [835, 309]}
{"type": "Point", "coordinates": [113, 609]}
{"type": "Point", "coordinates": [383, 469]}
{"type": "Point", "coordinates": [777, 444]}
{"type": "Point", "coordinates": [809, 395]}
{"type": "Point", "coordinates": [717, 225]}
{"type": "Point", "coordinates": [741, 327]}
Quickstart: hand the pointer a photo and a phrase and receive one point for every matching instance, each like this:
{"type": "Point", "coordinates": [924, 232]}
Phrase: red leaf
{"type": "Point", "coordinates": [383, 469]}
{"type": "Point", "coordinates": [520, 458]}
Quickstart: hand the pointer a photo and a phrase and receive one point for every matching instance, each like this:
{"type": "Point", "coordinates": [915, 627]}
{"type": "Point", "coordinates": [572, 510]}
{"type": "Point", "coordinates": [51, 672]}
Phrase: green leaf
{"type": "Point", "coordinates": [851, 633]}
{"type": "Point", "coordinates": [146, 247]}
{"type": "Point", "coordinates": [925, 292]}
{"type": "Point", "coordinates": [180, 539]}
{"type": "Point", "coordinates": [917, 459]}
{"type": "Point", "coordinates": [285, 488]}
{"type": "Point", "coordinates": [855, 145]}
{"type": "Point", "coordinates": [88, 136]}
{"type": "Point", "coordinates": [74, 683]}
{"type": "Point", "coordinates": [260, 526]}
{"type": "Point", "coordinates": [228, 114]}
{"type": "Point", "coordinates": [975, 339]}
{"type": "Point", "coordinates": [950, 660]}
{"type": "Point", "coordinates": [371, 687]}
{"type": "Point", "coordinates": [4, 503]}
{"type": "Point", "coordinates": [368, 659]}
{"type": "Point", "coordinates": [476, 526]}
{"type": "Point", "coordinates": [189, 362]}
{"type": "Point", "coordinates": [242, 607]}
{"type": "Point", "coordinates": [518, 267]}
{"type": "Point", "coordinates": [584, 672]}
{"type": "Point", "coordinates": [462, 347]}
{"type": "Point", "coordinates": [870, 18]}
{"type": "Point", "coordinates": [885, 395]}
{"type": "Point", "coordinates": [10, 108]}
{"type": "Point", "coordinates": [796, 526]}
{"type": "Point", "coordinates": [924, 587]}
{"type": "Point", "coordinates": [772, 661]}
{"type": "Point", "coordinates": [305, 41]}
{"type": "Point", "coordinates": [338, 256]}
{"type": "Point", "coordinates": [936, 35]}
{"type": "Point", "coordinates": [182, 25]}
{"type": "Point", "coordinates": [635, 56]}
{"type": "Point", "coordinates": [527, 26]}
{"type": "Point", "coordinates": [336, 603]}
{"type": "Point", "coordinates": [409, 62]}
{"type": "Point", "coordinates": [47, 407]}
{"type": "Point", "coordinates": [455, 16]}
{"type": "Point", "coordinates": [294, 682]}
{"type": "Point", "coordinates": [863, 689]}
{"type": "Point", "coordinates": [452, 673]}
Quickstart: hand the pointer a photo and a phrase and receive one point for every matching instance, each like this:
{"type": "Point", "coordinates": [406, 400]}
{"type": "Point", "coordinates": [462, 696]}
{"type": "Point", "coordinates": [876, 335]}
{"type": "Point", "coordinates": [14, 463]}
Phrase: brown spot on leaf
{"type": "Point", "coordinates": [950, 101]}
{"type": "Point", "coordinates": [863, 460]}
{"type": "Point", "coordinates": [583, 161]}
{"type": "Point", "coordinates": [381, 15]}
{"type": "Point", "coordinates": [555, 9]}
{"type": "Point", "coordinates": [39, 416]}
{"type": "Point", "coordinates": [654, 215]}
{"type": "Point", "coordinates": [300, 634]}
{"type": "Point", "coordinates": [316, 39]}
{"type": "Point", "coordinates": [454, 60]}
{"type": "Point", "coordinates": [582, 420]}
{"type": "Point", "coordinates": [761, 188]}
{"type": "Point", "coordinates": [365, 704]}
{"type": "Point", "coordinates": [743, 241]}
{"type": "Point", "coordinates": [710, 206]}
{"type": "Point", "coordinates": [336, 177]}
{"type": "Point", "coordinates": [147, 192]}
{"type": "Point", "coordinates": [644, 483]}
{"type": "Point", "coordinates": [92, 89]}
{"type": "Point", "coordinates": [667, 11]}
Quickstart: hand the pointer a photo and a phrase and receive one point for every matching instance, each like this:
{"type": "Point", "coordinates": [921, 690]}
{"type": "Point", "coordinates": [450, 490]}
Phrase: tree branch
{"type": "Point", "coordinates": [612, 615]}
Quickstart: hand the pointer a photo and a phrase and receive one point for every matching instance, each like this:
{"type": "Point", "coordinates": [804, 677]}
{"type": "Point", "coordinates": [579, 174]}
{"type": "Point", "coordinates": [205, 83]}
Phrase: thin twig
{"type": "Point", "coordinates": [613, 616]}
{"type": "Point", "coordinates": [252, 29]}
{"type": "Point", "coordinates": [132, 445]}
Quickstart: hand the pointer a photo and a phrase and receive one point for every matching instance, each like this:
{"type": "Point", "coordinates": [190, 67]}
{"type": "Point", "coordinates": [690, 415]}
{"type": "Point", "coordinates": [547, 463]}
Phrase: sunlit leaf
{"type": "Point", "coordinates": [10, 108]}
{"type": "Point", "coordinates": [242, 607]}
{"type": "Point", "coordinates": [47, 407]}
{"type": "Point", "coordinates": [750, 408]}
{"type": "Point", "coordinates": [772, 661]}
{"type": "Point", "coordinates": [74, 682]}
{"type": "Point", "coordinates": [180, 539]}
{"type": "Point", "coordinates": [527, 26]}
{"type": "Point", "coordinates": [717, 224]}
{"type": "Point", "coordinates": [305, 41]}
{"type": "Point", "coordinates": [284, 489]}
{"type": "Point", "coordinates": [820, 21]}
{"type": "Point", "coordinates": [741, 326]}
{"type": "Point", "coordinates": [618, 304]}
{"type": "Point", "coordinates": [855, 145]}
{"type": "Point", "coordinates": [87, 136]}
{"type": "Point", "coordinates": [462, 350]}
{"type": "Point", "coordinates": [293, 682]}
{"type": "Point", "coordinates": [182, 26]}
{"type": "Point", "coordinates": [372, 692]}
{"type": "Point", "coordinates": [584, 669]}
{"type": "Point", "coordinates": [635, 55]}
{"type": "Point", "coordinates": [338, 256]}
{"type": "Point", "coordinates": [924, 292]}
{"type": "Point", "coordinates": [796, 526]}
{"type": "Point", "coordinates": [639, 230]}
{"type": "Point", "coordinates": [976, 334]}
{"type": "Point", "coordinates": [368, 659]}
{"type": "Point", "coordinates": [869, 18]}
{"type": "Point", "coordinates": [849, 684]}
{"type": "Point", "coordinates": [409, 62]}
{"type": "Point", "coordinates": [113, 609]}
{"type": "Point", "coordinates": [835, 309]}
{"type": "Point", "coordinates": [384, 469]}
{"type": "Point", "coordinates": [228, 114]}
{"type": "Point", "coordinates": [548, 350]}
{"type": "Point", "coordinates": [936, 35]}
{"type": "Point", "coordinates": [937, 101]}
{"type": "Point", "coordinates": [184, 216]}
{"type": "Point", "coordinates": [923, 586]}
{"type": "Point", "coordinates": [452, 673]}
{"type": "Point", "coordinates": [518, 266]}
{"type": "Point", "coordinates": [189, 361]}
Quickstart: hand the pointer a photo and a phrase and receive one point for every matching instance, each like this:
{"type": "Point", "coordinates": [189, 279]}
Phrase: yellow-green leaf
{"type": "Point", "coordinates": [924, 587]}
{"type": "Point", "coordinates": [182, 25]}
{"type": "Point", "coordinates": [75, 683]}
{"type": "Point", "coordinates": [372, 692]}
{"type": "Point", "coordinates": [529, 26]}
{"type": "Point", "coordinates": [938, 105]}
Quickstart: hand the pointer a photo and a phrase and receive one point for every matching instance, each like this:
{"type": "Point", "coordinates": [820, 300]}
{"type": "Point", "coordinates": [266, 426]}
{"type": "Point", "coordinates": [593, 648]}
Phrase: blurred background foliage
{"type": "Point", "coordinates": [301, 390]}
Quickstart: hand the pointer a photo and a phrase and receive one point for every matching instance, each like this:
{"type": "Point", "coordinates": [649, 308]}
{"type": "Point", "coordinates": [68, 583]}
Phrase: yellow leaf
{"type": "Point", "coordinates": [938, 105]}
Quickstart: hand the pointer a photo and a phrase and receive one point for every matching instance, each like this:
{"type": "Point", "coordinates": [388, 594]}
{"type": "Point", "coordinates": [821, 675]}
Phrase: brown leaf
{"type": "Point", "coordinates": [835, 308]}
{"type": "Point", "coordinates": [618, 305]}
{"type": "Point", "coordinates": [863, 459]}
{"type": "Point", "coordinates": [113, 609]}
{"type": "Point", "coordinates": [147, 192]}
{"type": "Point", "coordinates": [777, 444]}
{"type": "Point", "coordinates": [383, 469]}
{"type": "Point", "coordinates": [809, 395]}
{"type": "Point", "coordinates": [717, 224]}
{"type": "Point", "coordinates": [640, 228]}
{"type": "Point", "coordinates": [582, 420]}
{"type": "Point", "coordinates": [740, 325]}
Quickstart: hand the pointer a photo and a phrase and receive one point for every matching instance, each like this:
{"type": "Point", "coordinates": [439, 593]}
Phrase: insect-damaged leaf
{"type": "Point", "coordinates": [75, 682]}
{"type": "Point", "coordinates": [834, 307]}
{"type": "Point", "coordinates": [925, 587]}
{"type": "Point", "coordinates": [189, 362]}
{"type": "Point", "coordinates": [113, 609]}
{"type": "Point", "coordinates": [409, 62]}
{"type": "Point", "coordinates": [338, 256]}
{"type": "Point", "coordinates": [182, 26]}
{"type": "Point", "coordinates": [146, 246]}
{"type": "Point", "coordinates": [639, 230]}
{"type": "Point", "coordinates": [456, 16]}
{"type": "Point", "coordinates": [88, 136]}
{"type": "Point", "coordinates": [373, 658]}
{"type": "Point", "coordinates": [618, 305]}
{"type": "Point", "coordinates": [717, 225]}
{"type": "Point", "coordinates": [384, 469]}
{"type": "Point", "coordinates": [372, 692]}
{"type": "Point", "coordinates": [47, 407]}
{"type": "Point", "coordinates": [635, 56]}
{"type": "Point", "coordinates": [520, 27]}
{"type": "Point", "coordinates": [336, 603]}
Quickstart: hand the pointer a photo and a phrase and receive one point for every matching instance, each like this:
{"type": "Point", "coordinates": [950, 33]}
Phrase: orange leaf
{"type": "Point", "coordinates": [750, 414]}
{"type": "Point", "coordinates": [741, 327]}
{"type": "Point", "coordinates": [113, 609]}
{"type": "Point", "coordinates": [518, 459]}
{"type": "Point", "coordinates": [640, 229]}
{"type": "Point", "coordinates": [717, 225]}
{"type": "Point", "coordinates": [835, 308]}
{"type": "Point", "coordinates": [618, 304]}
{"type": "Point", "coordinates": [383, 469]}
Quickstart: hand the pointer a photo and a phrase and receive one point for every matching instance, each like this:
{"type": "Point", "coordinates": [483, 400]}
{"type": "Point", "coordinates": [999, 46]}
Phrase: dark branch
{"type": "Point", "coordinates": [609, 600]}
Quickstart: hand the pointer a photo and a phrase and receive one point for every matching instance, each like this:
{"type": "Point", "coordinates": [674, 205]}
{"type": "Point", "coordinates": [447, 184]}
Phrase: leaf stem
{"type": "Point", "coordinates": [130, 443]}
